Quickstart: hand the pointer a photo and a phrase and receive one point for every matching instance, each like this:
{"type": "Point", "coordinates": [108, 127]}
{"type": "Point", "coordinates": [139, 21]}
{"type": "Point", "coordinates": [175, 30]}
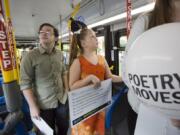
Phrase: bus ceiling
{"type": "Point", "coordinates": [27, 15]}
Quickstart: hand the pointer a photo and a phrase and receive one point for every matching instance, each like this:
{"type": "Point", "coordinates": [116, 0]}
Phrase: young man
{"type": "Point", "coordinates": [44, 80]}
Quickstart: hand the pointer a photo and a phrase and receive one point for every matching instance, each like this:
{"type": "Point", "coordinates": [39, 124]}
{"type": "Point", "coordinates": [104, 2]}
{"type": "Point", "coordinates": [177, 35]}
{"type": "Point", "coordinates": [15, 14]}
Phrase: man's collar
{"type": "Point", "coordinates": [42, 50]}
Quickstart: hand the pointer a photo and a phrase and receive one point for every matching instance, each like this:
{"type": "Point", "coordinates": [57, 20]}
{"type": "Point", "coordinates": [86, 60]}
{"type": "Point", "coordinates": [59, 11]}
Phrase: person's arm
{"type": "Point", "coordinates": [26, 80]}
{"type": "Point", "coordinates": [31, 100]}
{"type": "Point", "coordinates": [64, 75]}
{"type": "Point", "coordinates": [65, 81]}
{"type": "Point", "coordinates": [139, 26]}
{"type": "Point", "coordinates": [108, 74]}
{"type": "Point", "coordinates": [176, 122]}
{"type": "Point", "coordinates": [74, 77]}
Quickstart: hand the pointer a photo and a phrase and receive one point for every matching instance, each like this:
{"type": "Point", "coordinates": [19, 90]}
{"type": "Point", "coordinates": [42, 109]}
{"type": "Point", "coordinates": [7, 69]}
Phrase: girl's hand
{"type": "Point", "coordinates": [175, 122]}
{"type": "Point", "coordinates": [95, 80]}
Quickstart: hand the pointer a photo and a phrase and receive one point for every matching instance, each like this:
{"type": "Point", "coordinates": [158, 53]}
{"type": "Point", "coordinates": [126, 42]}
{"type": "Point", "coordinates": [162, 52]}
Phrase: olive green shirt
{"type": "Point", "coordinates": [43, 73]}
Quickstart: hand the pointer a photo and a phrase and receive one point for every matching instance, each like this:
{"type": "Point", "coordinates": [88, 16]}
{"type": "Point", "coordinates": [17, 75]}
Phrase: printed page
{"type": "Point", "coordinates": [42, 126]}
{"type": "Point", "coordinates": [87, 101]}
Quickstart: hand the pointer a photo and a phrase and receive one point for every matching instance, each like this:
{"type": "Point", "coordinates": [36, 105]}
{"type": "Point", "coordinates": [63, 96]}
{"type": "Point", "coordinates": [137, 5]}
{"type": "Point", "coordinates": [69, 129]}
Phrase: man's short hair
{"type": "Point", "coordinates": [56, 33]}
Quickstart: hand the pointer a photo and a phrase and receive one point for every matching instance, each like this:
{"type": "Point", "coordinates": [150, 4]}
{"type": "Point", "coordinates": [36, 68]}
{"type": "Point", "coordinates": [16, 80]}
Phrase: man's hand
{"type": "Point", "coordinates": [35, 112]}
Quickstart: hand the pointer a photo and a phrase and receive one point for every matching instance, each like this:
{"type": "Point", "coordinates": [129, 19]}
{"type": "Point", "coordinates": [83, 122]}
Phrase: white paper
{"type": "Point", "coordinates": [87, 101]}
{"type": "Point", "coordinates": [152, 122]}
{"type": "Point", "coordinates": [42, 126]}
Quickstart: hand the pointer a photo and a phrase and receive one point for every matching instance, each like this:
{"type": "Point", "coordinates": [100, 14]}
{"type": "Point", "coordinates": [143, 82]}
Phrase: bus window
{"type": "Point", "coordinates": [101, 48]}
{"type": "Point", "coordinates": [122, 45]}
{"type": "Point", "coordinates": [123, 41]}
{"type": "Point", "coordinates": [65, 47]}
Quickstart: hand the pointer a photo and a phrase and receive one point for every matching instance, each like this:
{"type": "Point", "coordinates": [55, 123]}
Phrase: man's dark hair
{"type": "Point", "coordinates": [56, 33]}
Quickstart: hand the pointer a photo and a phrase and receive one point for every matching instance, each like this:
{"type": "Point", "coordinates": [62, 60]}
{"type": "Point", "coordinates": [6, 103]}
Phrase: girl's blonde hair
{"type": "Point", "coordinates": [76, 46]}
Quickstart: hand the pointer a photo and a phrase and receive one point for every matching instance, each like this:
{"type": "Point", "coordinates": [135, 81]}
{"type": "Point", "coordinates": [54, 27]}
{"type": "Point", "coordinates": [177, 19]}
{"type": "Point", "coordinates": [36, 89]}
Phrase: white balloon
{"type": "Point", "coordinates": [153, 67]}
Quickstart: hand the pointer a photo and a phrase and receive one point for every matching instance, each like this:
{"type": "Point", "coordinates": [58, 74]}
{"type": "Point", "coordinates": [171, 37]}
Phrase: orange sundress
{"type": "Point", "coordinates": [94, 125]}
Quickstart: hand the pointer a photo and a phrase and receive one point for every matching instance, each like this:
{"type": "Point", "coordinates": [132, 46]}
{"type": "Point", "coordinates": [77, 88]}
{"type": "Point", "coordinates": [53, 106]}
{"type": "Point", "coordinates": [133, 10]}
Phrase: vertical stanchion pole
{"type": "Point", "coordinates": [129, 16]}
{"type": "Point", "coordinates": [10, 86]}
{"type": "Point", "coordinates": [11, 39]}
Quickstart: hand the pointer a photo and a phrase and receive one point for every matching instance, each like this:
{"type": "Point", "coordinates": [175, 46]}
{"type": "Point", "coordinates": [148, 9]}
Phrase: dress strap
{"type": "Point", "coordinates": [101, 60]}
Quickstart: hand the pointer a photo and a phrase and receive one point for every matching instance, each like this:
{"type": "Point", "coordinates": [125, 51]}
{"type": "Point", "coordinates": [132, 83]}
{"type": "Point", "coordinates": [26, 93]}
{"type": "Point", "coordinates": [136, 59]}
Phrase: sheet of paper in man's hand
{"type": "Point", "coordinates": [42, 126]}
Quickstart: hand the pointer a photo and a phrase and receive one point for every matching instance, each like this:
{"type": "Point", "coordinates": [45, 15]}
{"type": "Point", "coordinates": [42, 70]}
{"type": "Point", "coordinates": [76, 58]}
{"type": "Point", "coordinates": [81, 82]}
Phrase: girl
{"type": "Point", "coordinates": [86, 67]}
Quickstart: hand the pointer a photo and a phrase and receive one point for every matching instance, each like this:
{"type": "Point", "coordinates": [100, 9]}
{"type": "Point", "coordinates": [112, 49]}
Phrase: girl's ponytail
{"type": "Point", "coordinates": [74, 49]}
